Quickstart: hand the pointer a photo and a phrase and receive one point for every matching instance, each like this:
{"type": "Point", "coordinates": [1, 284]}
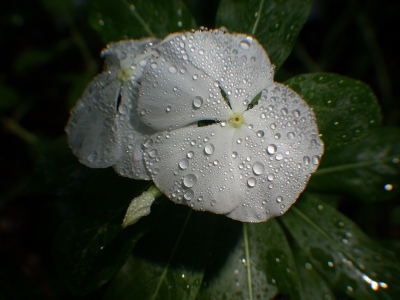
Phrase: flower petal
{"type": "Point", "coordinates": [174, 93]}
{"type": "Point", "coordinates": [285, 149]}
{"type": "Point", "coordinates": [91, 132]}
{"type": "Point", "coordinates": [237, 61]}
{"type": "Point", "coordinates": [191, 166]}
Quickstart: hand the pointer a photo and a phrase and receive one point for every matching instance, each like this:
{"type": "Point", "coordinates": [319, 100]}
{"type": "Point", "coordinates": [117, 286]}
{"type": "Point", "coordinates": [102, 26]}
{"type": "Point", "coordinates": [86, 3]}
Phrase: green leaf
{"type": "Point", "coordinates": [123, 19]}
{"type": "Point", "coordinates": [341, 252]}
{"type": "Point", "coordinates": [346, 109]}
{"type": "Point", "coordinates": [91, 246]}
{"type": "Point", "coordinates": [368, 170]}
{"type": "Point", "coordinates": [275, 23]}
{"type": "Point", "coordinates": [169, 262]}
{"type": "Point", "coordinates": [250, 261]}
{"type": "Point", "coordinates": [314, 285]}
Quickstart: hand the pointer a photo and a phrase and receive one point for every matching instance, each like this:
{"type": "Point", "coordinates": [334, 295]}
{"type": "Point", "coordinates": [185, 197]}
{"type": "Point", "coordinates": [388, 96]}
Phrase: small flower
{"type": "Point", "coordinates": [104, 129]}
{"type": "Point", "coordinates": [257, 155]}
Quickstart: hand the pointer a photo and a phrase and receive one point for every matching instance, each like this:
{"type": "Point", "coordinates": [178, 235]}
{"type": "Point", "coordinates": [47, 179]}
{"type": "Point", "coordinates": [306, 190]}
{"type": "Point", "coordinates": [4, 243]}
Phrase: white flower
{"type": "Point", "coordinates": [251, 163]}
{"type": "Point", "coordinates": [103, 129]}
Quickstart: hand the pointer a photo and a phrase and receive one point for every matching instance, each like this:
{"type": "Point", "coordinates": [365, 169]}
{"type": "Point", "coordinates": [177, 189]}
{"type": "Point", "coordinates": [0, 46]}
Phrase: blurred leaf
{"type": "Point", "coordinates": [58, 171]}
{"type": "Point", "coordinates": [368, 170]}
{"type": "Point", "coordinates": [259, 257]}
{"type": "Point", "coordinates": [123, 19]}
{"type": "Point", "coordinates": [9, 96]}
{"type": "Point", "coordinates": [169, 262]}
{"type": "Point", "coordinates": [274, 23]}
{"type": "Point", "coordinates": [59, 7]}
{"type": "Point", "coordinates": [314, 285]}
{"type": "Point", "coordinates": [341, 252]}
{"type": "Point", "coordinates": [91, 247]}
{"type": "Point", "coordinates": [346, 109]}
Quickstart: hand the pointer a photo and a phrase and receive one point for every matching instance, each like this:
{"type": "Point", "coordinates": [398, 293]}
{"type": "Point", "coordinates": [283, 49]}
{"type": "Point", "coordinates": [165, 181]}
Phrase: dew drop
{"type": "Point", "coordinates": [153, 65]}
{"type": "Point", "coordinates": [258, 168]}
{"type": "Point", "coordinates": [315, 159]}
{"type": "Point", "coordinates": [290, 135]}
{"type": "Point", "coordinates": [189, 180]}
{"type": "Point", "coordinates": [260, 133]}
{"type": "Point", "coordinates": [195, 77]}
{"type": "Point", "coordinates": [271, 149]}
{"type": "Point", "coordinates": [209, 149]}
{"type": "Point", "coordinates": [277, 136]}
{"type": "Point", "coordinates": [168, 109]}
{"type": "Point", "coordinates": [172, 69]}
{"type": "Point", "coordinates": [190, 154]}
{"type": "Point", "coordinates": [279, 156]}
{"type": "Point", "coordinates": [306, 160]}
{"type": "Point", "coordinates": [213, 202]}
{"type": "Point", "coordinates": [239, 141]}
{"type": "Point", "coordinates": [234, 154]}
{"type": "Point", "coordinates": [270, 177]}
{"type": "Point", "coordinates": [197, 102]}
{"type": "Point", "coordinates": [183, 164]}
{"type": "Point", "coordinates": [273, 126]}
{"type": "Point", "coordinates": [245, 45]}
{"type": "Point", "coordinates": [189, 194]}
{"type": "Point", "coordinates": [251, 182]}
{"type": "Point", "coordinates": [296, 113]}
{"type": "Point", "coordinates": [148, 143]}
{"type": "Point", "coordinates": [92, 156]}
{"type": "Point", "coordinates": [153, 153]}
{"type": "Point", "coordinates": [279, 199]}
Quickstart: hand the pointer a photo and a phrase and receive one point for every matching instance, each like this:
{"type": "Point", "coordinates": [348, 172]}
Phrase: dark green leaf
{"type": "Point", "coordinates": [369, 170]}
{"type": "Point", "coordinates": [341, 252]}
{"type": "Point", "coordinates": [9, 96]}
{"type": "Point", "coordinates": [123, 19]}
{"type": "Point", "coordinates": [250, 261]}
{"type": "Point", "coordinates": [347, 109]}
{"type": "Point", "coordinates": [275, 23]}
{"type": "Point", "coordinates": [169, 262]}
{"type": "Point", "coordinates": [91, 246]}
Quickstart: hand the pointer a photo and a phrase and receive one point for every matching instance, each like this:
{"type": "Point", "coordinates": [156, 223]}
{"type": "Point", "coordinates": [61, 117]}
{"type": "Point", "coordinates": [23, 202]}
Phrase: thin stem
{"type": "Point", "coordinates": [12, 126]}
{"type": "Point", "coordinates": [140, 19]}
{"type": "Point", "coordinates": [248, 263]}
{"type": "Point", "coordinates": [253, 32]}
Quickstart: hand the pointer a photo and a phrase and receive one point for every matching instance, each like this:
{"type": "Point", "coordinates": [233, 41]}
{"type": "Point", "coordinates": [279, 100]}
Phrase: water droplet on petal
{"type": "Point", "coordinates": [306, 160]}
{"type": "Point", "coordinates": [258, 168]}
{"type": "Point", "coordinates": [189, 180]}
{"type": "Point", "coordinates": [92, 156]}
{"type": "Point", "coordinates": [271, 149]}
{"type": "Point", "coordinates": [148, 143]}
{"type": "Point", "coordinates": [190, 154]}
{"type": "Point", "coordinates": [153, 153]}
{"type": "Point", "coordinates": [260, 133]}
{"type": "Point", "coordinates": [245, 45]}
{"type": "Point", "coordinates": [279, 156]}
{"type": "Point", "coordinates": [183, 164]}
{"type": "Point", "coordinates": [209, 149]}
{"type": "Point", "coordinates": [290, 135]}
{"type": "Point", "coordinates": [168, 109]}
{"type": "Point", "coordinates": [189, 194]}
{"type": "Point", "coordinates": [197, 102]}
{"type": "Point", "coordinates": [277, 136]}
{"type": "Point", "coordinates": [234, 154]}
{"type": "Point", "coordinates": [315, 159]}
{"type": "Point", "coordinates": [270, 177]}
{"type": "Point", "coordinates": [251, 182]}
{"type": "Point", "coordinates": [172, 69]}
{"type": "Point", "coordinates": [279, 199]}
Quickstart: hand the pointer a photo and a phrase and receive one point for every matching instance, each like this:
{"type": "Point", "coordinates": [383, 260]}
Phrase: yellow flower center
{"type": "Point", "coordinates": [236, 120]}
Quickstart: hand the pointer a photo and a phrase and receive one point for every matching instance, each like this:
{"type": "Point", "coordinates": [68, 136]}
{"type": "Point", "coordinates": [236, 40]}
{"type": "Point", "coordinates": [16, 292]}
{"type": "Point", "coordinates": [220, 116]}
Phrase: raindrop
{"type": "Point", "coordinates": [251, 182]}
{"type": "Point", "coordinates": [306, 160]}
{"type": "Point", "coordinates": [183, 164]}
{"type": "Point", "coordinates": [271, 149]}
{"type": "Point", "coordinates": [290, 135]}
{"type": "Point", "coordinates": [260, 133]}
{"type": "Point", "coordinates": [197, 102]}
{"type": "Point", "coordinates": [296, 113]}
{"type": "Point", "coordinates": [189, 194]}
{"type": "Point", "coordinates": [209, 149]}
{"type": "Point", "coordinates": [195, 77]}
{"type": "Point", "coordinates": [153, 65]}
{"type": "Point", "coordinates": [239, 141]}
{"type": "Point", "coordinates": [189, 180]}
{"type": "Point", "coordinates": [273, 126]}
{"type": "Point", "coordinates": [277, 136]}
{"type": "Point", "coordinates": [270, 177]}
{"type": "Point", "coordinates": [153, 153]}
{"type": "Point", "coordinates": [148, 143]}
{"type": "Point", "coordinates": [234, 154]}
{"type": "Point", "coordinates": [172, 69]}
{"type": "Point", "coordinates": [168, 109]}
{"type": "Point", "coordinates": [279, 156]}
{"type": "Point", "coordinates": [258, 168]}
{"type": "Point", "coordinates": [190, 154]}
{"type": "Point", "coordinates": [142, 112]}
{"type": "Point", "coordinates": [279, 199]}
{"type": "Point", "coordinates": [245, 45]}
{"type": "Point", "coordinates": [213, 202]}
{"type": "Point", "coordinates": [284, 111]}
{"type": "Point", "coordinates": [223, 124]}
{"type": "Point", "coordinates": [315, 159]}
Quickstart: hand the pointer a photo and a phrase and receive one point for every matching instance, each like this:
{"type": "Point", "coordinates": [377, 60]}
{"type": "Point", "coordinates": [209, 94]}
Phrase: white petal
{"type": "Point", "coordinates": [285, 142]}
{"type": "Point", "coordinates": [191, 166]}
{"type": "Point", "coordinates": [237, 61]}
{"type": "Point", "coordinates": [174, 93]}
{"type": "Point", "coordinates": [91, 132]}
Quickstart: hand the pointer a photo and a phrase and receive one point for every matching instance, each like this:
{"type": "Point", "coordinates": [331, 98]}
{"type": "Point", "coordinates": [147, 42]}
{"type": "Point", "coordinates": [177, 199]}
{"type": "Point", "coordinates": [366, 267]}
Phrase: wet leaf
{"type": "Point", "coordinates": [123, 19]}
{"type": "Point", "coordinates": [91, 246]}
{"type": "Point", "coordinates": [368, 170]}
{"type": "Point", "coordinates": [275, 24]}
{"type": "Point", "coordinates": [250, 255]}
{"type": "Point", "coordinates": [169, 262]}
{"type": "Point", "coordinates": [346, 109]}
{"type": "Point", "coordinates": [341, 252]}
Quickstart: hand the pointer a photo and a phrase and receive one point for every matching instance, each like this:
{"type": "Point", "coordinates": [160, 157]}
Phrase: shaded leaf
{"type": "Point", "coordinates": [274, 23]}
{"type": "Point", "coordinates": [91, 246]}
{"type": "Point", "coordinates": [250, 255]}
{"type": "Point", "coordinates": [341, 252]}
{"type": "Point", "coordinates": [346, 109]}
{"type": "Point", "coordinates": [123, 19]}
{"type": "Point", "coordinates": [169, 262]}
{"type": "Point", "coordinates": [369, 170]}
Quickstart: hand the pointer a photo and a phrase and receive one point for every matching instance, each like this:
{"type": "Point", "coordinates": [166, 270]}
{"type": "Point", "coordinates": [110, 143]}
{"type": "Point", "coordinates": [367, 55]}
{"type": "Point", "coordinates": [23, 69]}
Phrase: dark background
{"type": "Point", "coordinates": [49, 53]}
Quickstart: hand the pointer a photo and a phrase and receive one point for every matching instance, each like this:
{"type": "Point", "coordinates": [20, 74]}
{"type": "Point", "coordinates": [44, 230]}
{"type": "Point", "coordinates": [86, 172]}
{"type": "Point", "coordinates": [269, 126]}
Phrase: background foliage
{"type": "Point", "coordinates": [60, 234]}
